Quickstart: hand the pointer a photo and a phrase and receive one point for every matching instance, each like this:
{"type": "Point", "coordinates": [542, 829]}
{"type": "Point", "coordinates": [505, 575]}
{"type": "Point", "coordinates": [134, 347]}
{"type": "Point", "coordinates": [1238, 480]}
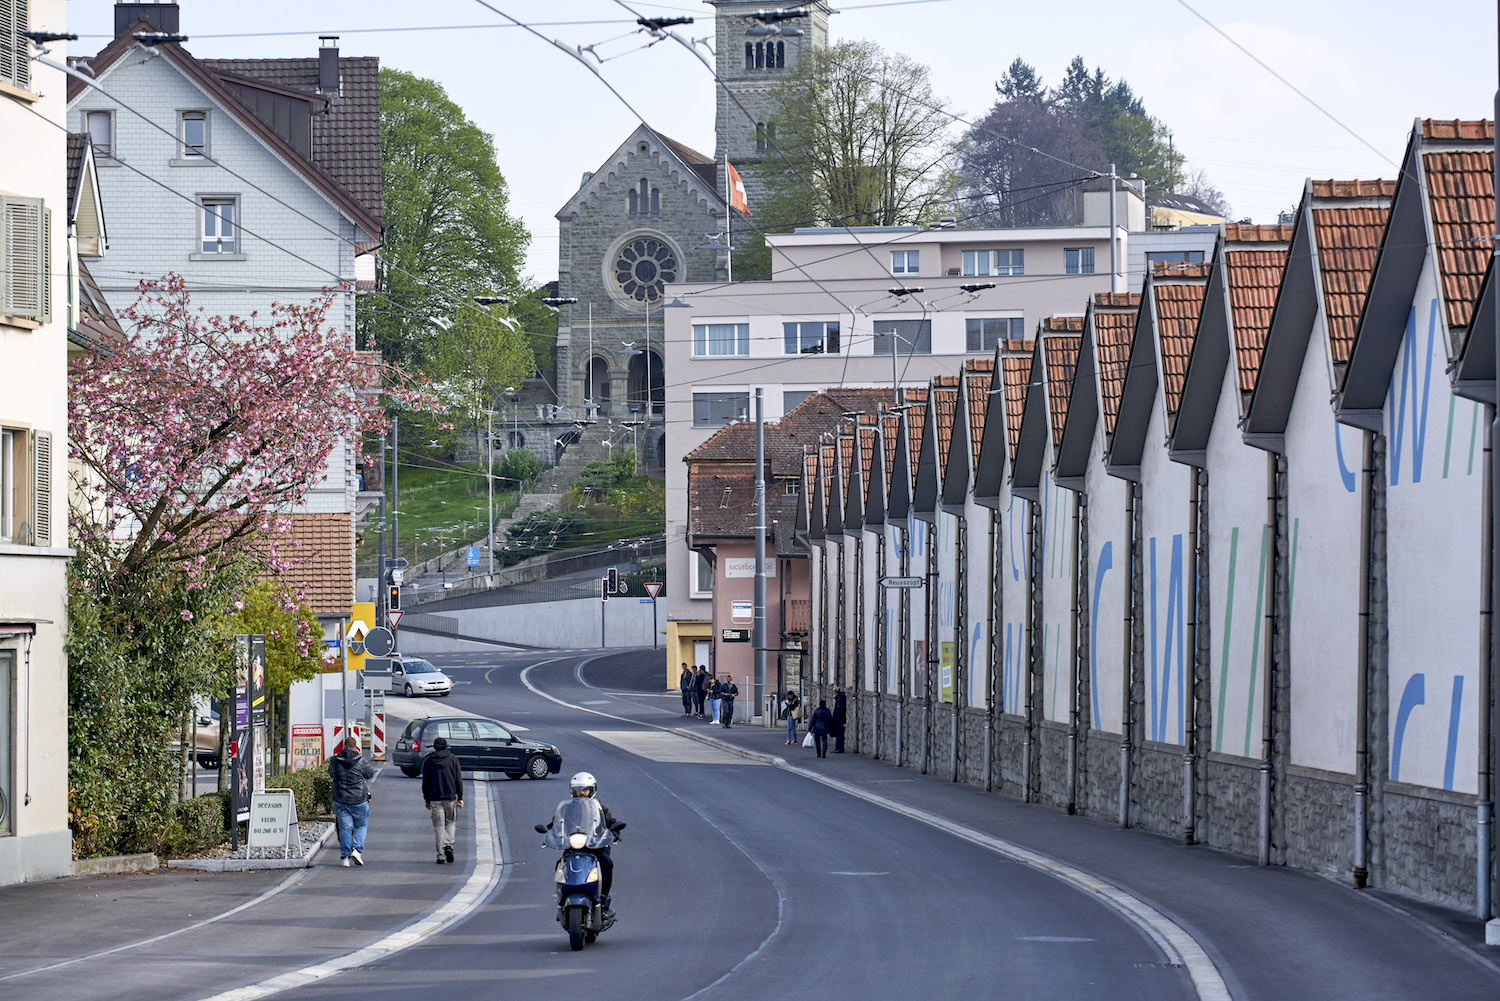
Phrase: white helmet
{"type": "Point", "coordinates": [583, 784]}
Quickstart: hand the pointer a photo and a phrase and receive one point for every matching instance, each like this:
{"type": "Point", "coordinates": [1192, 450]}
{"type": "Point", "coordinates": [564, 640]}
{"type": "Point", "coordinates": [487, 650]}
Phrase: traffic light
{"type": "Point", "coordinates": [394, 602]}
{"type": "Point", "coordinates": [614, 581]}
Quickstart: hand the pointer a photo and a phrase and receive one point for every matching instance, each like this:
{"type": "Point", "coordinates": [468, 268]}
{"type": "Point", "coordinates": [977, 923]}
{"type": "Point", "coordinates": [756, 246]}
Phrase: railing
{"type": "Point", "coordinates": [796, 614]}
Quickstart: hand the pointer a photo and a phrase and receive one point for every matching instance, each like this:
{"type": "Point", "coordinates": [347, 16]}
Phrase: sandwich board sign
{"type": "Point", "coordinates": [273, 821]}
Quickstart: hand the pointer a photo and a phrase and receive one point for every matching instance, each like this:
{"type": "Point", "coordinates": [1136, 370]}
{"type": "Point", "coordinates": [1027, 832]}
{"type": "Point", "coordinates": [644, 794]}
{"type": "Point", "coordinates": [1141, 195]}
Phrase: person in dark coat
{"type": "Point", "coordinates": [820, 726]}
{"type": "Point", "coordinates": [351, 775]}
{"type": "Point", "coordinates": [727, 691]}
{"type": "Point", "coordinates": [685, 686]}
{"type": "Point", "coordinates": [711, 693]}
{"type": "Point", "coordinates": [840, 711]}
{"type": "Point", "coordinates": [700, 685]}
{"type": "Point", "coordinates": [443, 791]}
{"type": "Point", "coordinates": [791, 706]}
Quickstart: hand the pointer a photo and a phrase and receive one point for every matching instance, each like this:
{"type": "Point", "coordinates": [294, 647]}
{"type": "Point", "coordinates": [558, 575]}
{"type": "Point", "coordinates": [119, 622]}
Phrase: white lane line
{"type": "Point", "coordinates": [668, 747]}
{"type": "Point", "coordinates": [1174, 941]}
{"type": "Point", "coordinates": [410, 709]}
{"type": "Point", "coordinates": [488, 861]}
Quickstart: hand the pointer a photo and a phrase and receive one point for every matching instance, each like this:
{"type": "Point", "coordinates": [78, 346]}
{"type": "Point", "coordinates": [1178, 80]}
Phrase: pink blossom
{"type": "Point", "coordinates": [187, 616]}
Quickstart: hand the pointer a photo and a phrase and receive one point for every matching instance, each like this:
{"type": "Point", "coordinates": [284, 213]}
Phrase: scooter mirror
{"type": "Point", "coordinates": [541, 828]}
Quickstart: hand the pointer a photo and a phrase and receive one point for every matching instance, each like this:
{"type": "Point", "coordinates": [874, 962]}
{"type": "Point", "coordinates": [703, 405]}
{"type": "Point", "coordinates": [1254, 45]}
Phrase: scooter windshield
{"type": "Point", "coordinates": [577, 820]}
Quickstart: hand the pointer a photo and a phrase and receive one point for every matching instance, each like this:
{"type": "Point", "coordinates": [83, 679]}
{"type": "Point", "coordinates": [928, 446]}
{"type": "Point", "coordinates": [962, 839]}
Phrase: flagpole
{"type": "Point", "coordinates": [728, 237]}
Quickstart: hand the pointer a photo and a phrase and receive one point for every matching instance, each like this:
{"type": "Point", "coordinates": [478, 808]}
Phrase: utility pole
{"type": "Point", "coordinates": [396, 488]}
{"type": "Point", "coordinates": [380, 531]}
{"type": "Point", "coordinates": [1114, 268]}
{"type": "Point", "coordinates": [489, 482]}
{"type": "Point", "coordinates": [758, 636]}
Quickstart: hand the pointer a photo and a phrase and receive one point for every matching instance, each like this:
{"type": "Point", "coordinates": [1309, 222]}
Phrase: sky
{"type": "Point", "coordinates": [1371, 66]}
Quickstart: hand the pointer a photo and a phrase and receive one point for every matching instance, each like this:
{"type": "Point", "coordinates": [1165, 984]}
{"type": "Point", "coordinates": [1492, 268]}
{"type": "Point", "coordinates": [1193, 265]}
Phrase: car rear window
{"type": "Point", "coordinates": [456, 729]}
{"type": "Point", "coordinates": [413, 728]}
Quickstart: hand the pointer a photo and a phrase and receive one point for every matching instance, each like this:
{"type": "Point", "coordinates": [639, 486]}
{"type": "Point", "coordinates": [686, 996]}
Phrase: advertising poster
{"type": "Point", "coordinates": [240, 743]}
{"type": "Point", "coordinates": [258, 705]}
{"type": "Point", "coordinates": [307, 747]}
{"type": "Point", "coordinates": [945, 670]}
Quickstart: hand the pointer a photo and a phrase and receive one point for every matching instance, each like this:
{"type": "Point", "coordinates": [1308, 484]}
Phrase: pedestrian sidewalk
{"type": "Point", "coordinates": [1275, 933]}
{"type": "Point", "coordinates": [170, 934]}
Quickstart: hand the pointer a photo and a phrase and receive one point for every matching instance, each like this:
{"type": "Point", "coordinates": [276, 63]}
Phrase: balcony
{"type": "Point", "coordinates": [795, 615]}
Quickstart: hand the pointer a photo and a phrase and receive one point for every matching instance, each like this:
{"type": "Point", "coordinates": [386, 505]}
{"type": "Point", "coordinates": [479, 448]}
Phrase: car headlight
{"type": "Point", "coordinates": [577, 840]}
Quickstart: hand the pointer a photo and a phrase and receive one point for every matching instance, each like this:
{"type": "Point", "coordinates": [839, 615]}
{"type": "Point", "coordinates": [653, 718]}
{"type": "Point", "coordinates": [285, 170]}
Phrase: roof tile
{"type": "Point", "coordinates": [981, 375]}
{"type": "Point", "coordinates": [1253, 278]}
{"type": "Point", "coordinates": [1353, 189]}
{"type": "Point", "coordinates": [1114, 331]}
{"type": "Point", "coordinates": [1456, 128]}
{"type": "Point", "coordinates": [321, 550]}
{"type": "Point", "coordinates": [1240, 232]}
{"type": "Point", "coordinates": [1461, 201]}
{"type": "Point", "coordinates": [1178, 305]}
{"type": "Point", "coordinates": [1061, 356]}
{"type": "Point", "coordinates": [1016, 371]}
{"type": "Point", "coordinates": [1348, 241]}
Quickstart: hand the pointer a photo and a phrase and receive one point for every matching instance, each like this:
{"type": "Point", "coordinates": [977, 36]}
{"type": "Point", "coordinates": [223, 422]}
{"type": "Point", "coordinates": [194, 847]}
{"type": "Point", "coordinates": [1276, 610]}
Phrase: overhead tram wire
{"type": "Point", "coordinates": [442, 294]}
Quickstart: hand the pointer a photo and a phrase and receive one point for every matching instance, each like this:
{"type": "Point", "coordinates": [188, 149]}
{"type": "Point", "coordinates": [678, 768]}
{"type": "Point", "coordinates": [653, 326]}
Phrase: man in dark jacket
{"type": "Point", "coordinates": [443, 790]}
{"type": "Point", "coordinates": [820, 726]}
{"type": "Point", "coordinates": [700, 683]}
{"type": "Point", "coordinates": [839, 716]}
{"type": "Point", "coordinates": [685, 686]}
{"type": "Point", "coordinates": [727, 691]}
{"type": "Point", "coordinates": [351, 798]}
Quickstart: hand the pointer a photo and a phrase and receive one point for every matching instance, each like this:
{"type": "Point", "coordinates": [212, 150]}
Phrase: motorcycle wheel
{"type": "Point", "coordinates": [574, 923]}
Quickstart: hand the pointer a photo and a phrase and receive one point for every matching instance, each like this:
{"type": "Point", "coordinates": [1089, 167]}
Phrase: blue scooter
{"type": "Point", "coordinates": [578, 829]}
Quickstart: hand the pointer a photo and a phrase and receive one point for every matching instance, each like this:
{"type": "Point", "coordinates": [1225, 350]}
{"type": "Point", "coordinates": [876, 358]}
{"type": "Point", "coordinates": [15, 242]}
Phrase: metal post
{"type": "Point", "coordinates": [960, 647]}
{"type": "Point", "coordinates": [882, 654]}
{"type": "Point", "coordinates": [396, 488]}
{"type": "Point", "coordinates": [759, 632]}
{"type": "Point", "coordinates": [489, 482]}
{"type": "Point", "coordinates": [380, 531]}
{"type": "Point", "coordinates": [344, 674]}
{"type": "Point", "coordinates": [1114, 266]}
{"type": "Point", "coordinates": [1362, 658]}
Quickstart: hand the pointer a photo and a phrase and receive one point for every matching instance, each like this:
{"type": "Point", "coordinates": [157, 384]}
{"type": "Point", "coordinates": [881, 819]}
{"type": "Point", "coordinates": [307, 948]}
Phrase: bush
{"type": "Point", "coordinates": [313, 788]}
{"type": "Point", "coordinates": [197, 825]}
{"type": "Point", "coordinates": [520, 464]}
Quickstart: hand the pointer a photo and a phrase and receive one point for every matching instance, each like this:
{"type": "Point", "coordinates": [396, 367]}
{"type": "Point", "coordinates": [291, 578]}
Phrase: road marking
{"type": "Point", "coordinates": [410, 709]}
{"type": "Point", "coordinates": [488, 863]}
{"type": "Point", "coordinates": [859, 874]}
{"type": "Point", "coordinates": [667, 747]}
{"type": "Point", "coordinates": [1064, 939]}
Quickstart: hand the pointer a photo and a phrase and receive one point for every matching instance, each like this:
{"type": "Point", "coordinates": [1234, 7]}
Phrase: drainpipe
{"type": "Point", "coordinates": [1127, 709]}
{"type": "Point", "coordinates": [929, 629]}
{"type": "Point", "coordinates": [1266, 685]}
{"type": "Point", "coordinates": [857, 689]}
{"type": "Point", "coordinates": [1073, 674]}
{"type": "Point", "coordinates": [990, 697]}
{"type": "Point", "coordinates": [1190, 704]}
{"type": "Point", "coordinates": [1484, 802]}
{"type": "Point", "coordinates": [903, 664]}
{"type": "Point", "coordinates": [1362, 695]}
{"type": "Point", "coordinates": [882, 652]}
{"type": "Point", "coordinates": [1031, 569]}
{"type": "Point", "coordinates": [960, 645]}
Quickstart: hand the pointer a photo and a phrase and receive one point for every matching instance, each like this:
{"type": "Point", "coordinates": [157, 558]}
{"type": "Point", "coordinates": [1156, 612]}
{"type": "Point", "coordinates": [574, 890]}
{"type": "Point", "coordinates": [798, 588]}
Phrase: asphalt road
{"type": "Point", "coordinates": [738, 880]}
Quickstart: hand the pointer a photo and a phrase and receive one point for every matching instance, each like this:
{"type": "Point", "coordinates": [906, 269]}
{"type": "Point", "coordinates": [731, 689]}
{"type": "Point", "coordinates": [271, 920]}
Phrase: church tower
{"type": "Point", "coordinates": [753, 57]}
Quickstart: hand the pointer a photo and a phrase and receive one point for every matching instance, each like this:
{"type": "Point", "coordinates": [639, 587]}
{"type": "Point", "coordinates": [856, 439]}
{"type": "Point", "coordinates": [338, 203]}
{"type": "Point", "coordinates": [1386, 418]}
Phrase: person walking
{"type": "Point", "coordinates": [685, 686]}
{"type": "Point", "coordinates": [840, 711]}
{"type": "Point", "coordinates": [820, 725]}
{"type": "Point", "coordinates": [711, 690]}
{"type": "Point", "coordinates": [727, 692]}
{"type": "Point", "coordinates": [443, 791]}
{"type": "Point", "coordinates": [700, 682]}
{"type": "Point", "coordinates": [351, 775]}
{"type": "Point", "coordinates": [791, 708]}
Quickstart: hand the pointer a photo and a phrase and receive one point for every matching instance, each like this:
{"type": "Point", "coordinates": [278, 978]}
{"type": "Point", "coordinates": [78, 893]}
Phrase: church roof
{"type": "Point", "coordinates": [697, 169]}
{"type": "Point", "coordinates": [704, 166]}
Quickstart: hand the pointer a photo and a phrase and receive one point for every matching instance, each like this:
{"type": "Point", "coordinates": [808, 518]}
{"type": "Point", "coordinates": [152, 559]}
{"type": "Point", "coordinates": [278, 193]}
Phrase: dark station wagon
{"type": "Point", "coordinates": [481, 745]}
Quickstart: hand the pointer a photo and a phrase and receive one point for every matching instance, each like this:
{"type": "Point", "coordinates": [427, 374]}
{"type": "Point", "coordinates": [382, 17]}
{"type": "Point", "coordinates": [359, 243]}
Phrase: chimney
{"type": "Point", "coordinates": [328, 64]}
{"type": "Point", "coordinates": [161, 16]}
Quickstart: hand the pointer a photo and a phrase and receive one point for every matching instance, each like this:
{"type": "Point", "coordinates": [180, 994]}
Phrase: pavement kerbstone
{"type": "Point", "coordinates": [114, 864]}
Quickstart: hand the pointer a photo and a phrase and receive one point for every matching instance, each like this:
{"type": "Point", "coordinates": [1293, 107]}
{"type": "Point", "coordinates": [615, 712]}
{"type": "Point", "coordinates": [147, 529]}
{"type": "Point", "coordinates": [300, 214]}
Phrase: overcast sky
{"type": "Point", "coordinates": [1374, 65]}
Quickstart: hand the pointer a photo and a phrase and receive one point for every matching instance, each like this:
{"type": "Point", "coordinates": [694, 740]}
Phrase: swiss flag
{"type": "Point", "coordinates": [737, 198]}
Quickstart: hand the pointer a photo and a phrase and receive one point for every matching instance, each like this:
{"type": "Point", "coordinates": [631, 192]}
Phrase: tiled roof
{"type": "Point", "coordinates": [1062, 361]}
{"type": "Point", "coordinates": [721, 500]}
{"type": "Point", "coordinates": [1016, 371]}
{"type": "Point", "coordinates": [784, 439]}
{"type": "Point", "coordinates": [1353, 189]}
{"type": "Point", "coordinates": [981, 374]}
{"type": "Point", "coordinates": [1114, 331]}
{"type": "Point", "coordinates": [1178, 305]}
{"type": "Point", "coordinates": [944, 407]}
{"type": "Point", "coordinates": [321, 551]}
{"type": "Point", "coordinates": [916, 417]}
{"type": "Point", "coordinates": [78, 142]}
{"type": "Point", "coordinates": [866, 434]}
{"type": "Point", "coordinates": [1437, 128]}
{"type": "Point", "coordinates": [1243, 232]}
{"type": "Point", "coordinates": [1062, 324]}
{"type": "Point", "coordinates": [98, 323]}
{"type": "Point", "coordinates": [890, 427]}
{"type": "Point", "coordinates": [1180, 269]}
{"type": "Point", "coordinates": [1461, 200]}
{"type": "Point", "coordinates": [830, 460]}
{"type": "Point", "coordinates": [345, 140]}
{"type": "Point", "coordinates": [1253, 278]}
{"type": "Point", "coordinates": [704, 166]}
{"type": "Point", "coordinates": [810, 467]}
{"type": "Point", "coordinates": [846, 462]}
{"type": "Point", "coordinates": [1348, 242]}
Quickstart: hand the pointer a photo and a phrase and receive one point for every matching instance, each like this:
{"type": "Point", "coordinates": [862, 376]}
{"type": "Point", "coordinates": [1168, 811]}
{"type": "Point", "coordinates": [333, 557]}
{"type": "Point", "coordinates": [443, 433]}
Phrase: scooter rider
{"type": "Point", "coordinates": [584, 785]}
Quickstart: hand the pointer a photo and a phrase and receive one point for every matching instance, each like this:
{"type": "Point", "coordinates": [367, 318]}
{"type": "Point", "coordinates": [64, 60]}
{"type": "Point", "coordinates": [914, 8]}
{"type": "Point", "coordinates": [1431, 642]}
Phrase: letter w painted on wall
{"type": "Point", "coordinates": [1161, 671]}
{"type": "Point", "coordinates": [1412, 370]}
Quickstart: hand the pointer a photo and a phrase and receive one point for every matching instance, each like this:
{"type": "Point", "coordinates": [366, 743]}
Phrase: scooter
{"type": "Point", "coordinates": [577, 828]}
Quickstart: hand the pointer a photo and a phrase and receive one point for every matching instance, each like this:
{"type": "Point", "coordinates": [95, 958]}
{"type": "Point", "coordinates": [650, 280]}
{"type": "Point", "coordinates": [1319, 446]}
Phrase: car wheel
{"type": "Point", "coordinates": [515, 775]}
{"type": "Point", "coordinates": [212, 764]}
{"type": "Point", "coordinates": [536, 766]}
{"type": "Point", "coordinates": [411, 772]}
{"type": "Point", "coordinates": [408, 691]}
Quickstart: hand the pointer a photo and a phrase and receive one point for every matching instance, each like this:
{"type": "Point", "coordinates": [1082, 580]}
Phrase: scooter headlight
{"type": "Point", "coordinates": [578, 840]}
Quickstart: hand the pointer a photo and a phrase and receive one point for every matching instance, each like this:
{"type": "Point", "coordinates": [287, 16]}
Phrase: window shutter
{"type": "Point", "coordinates": [21, 226]}
{"type": "Point", "coordinates": [15, 48]}
{"type": "Point", "coordinates": [44, 257]}
{"type": "Point", "coordinates": [41, 487]}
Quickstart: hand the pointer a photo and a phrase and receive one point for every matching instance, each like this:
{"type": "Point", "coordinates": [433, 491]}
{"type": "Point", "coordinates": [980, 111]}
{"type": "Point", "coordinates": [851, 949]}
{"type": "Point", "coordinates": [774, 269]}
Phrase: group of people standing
{"type": "Point", "coordinates": [707, 697]}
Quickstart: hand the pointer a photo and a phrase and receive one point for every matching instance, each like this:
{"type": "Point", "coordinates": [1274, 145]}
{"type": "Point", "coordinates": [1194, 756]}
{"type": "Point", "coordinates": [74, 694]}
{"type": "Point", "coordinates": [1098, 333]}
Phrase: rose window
{"type": "Point", "coordinates": [642, 267]}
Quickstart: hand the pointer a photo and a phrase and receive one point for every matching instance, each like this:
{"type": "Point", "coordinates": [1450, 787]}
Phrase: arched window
{"type": "Point", "coordinates": [771, 134]}
{"type": "Point", "coordinates": [760, 55]}
{"type": "Point", "coordinates": [645, 194]}
{"type": "Point", "coordinates": [760, 136]}
{"type": "Point", "coordinates": [516, 439]}
{"type": "Point", "coordinates": [655, 201]}
{"type": "Point", "coordinates": [749, 56]}
{"type": "Point", "coordinates": [780, 54]}
{"type": "Point", "coordinates": [633, 200]}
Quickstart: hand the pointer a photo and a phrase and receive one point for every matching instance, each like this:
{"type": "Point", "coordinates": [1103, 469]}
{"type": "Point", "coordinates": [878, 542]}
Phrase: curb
{"type": "Point", "coordinates": [113, 865]}
{"type": "Point", "coordinates": [254, 864]}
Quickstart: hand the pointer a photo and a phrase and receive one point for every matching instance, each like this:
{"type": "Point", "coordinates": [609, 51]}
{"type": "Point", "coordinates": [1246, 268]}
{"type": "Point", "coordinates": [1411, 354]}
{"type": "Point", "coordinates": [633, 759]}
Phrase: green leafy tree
{"type": "Point", "coordinates": [520, 466]}
{"type": "Point", "coordinates": [449, 232]}
{"type": "Point", "coordinates": [293, 644]}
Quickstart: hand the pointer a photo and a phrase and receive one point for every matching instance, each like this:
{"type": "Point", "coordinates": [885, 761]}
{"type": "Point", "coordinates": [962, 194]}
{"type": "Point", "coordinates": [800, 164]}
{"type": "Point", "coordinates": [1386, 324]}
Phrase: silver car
{"type": "Point", "coordinates": [413, 676]}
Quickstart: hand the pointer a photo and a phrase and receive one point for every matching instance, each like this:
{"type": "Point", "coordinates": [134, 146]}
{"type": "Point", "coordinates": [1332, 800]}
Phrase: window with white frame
{"type": "Point", "coordinates": [714, 410]}
{"type": "Point", "coordinates": [7, 741]}
{"type": "Point", "coordinates": [815, 338]}
{"type": "Point", "coordinates": [721, 340]}
{"type": "Point", "coordinates": [192, 131]}
{"type": "Point", "coordinates": [220, 230]}
{"type": "Point", "coordinates": [703, 577]}
{"type": "Point", "coordinates": [25, 253]}
{"type": "Point", "coordinates": [994, 262]}
{"type": "Point", "coordinates": [15, 48]}
{"type": "Point", "coordinates": [905, 262]}
{"type": "Point", "coordinates": [907, 337]}
{"type": "Point", "coordinates": [100, 125]}
{"type": "Point", "coordinates": [8, 485]}
{"type": "Point", "coordinates": [1078, 260]}
{"type": "Point", "coordinates": [25, 487]}
{"type": "Point", "coordinates": [984, 332]}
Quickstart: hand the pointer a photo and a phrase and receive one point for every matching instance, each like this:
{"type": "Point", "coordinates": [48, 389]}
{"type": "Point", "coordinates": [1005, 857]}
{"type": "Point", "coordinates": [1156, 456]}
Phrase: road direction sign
{"type": "Point", "coordinates": [379, 641]}
{"type": "Point", "coordinates": [901, 582]}
{"type": "Point", "coordinates": [735, 635]}
{"type": "Point", "coordinates": [395, 562]}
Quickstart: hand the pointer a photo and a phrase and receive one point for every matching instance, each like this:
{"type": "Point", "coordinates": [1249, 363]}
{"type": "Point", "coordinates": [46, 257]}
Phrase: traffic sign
{"type": "Point", "coordinates": [473, 556]}
{"type": "Point", "coordinates": [379, 641]}
{"type": "Point", "coordinates": [395, 561]}
{"type": "Point", "coordinates": [394, 617]}
{"type": "Point", "coordinates": [901, 582]}
{"type": "Point", "coordinates": [653, 589]}
{"type": "Point", "coordinates": [735, 635]}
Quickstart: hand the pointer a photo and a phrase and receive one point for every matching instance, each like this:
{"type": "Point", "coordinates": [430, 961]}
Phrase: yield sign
{"type": "Point", "coordinates": [653, 589]}
{"type": "Point", "coordinates": [393, 616]}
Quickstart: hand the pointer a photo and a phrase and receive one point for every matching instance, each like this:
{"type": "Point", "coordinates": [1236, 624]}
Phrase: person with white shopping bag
{"type": "Point", "coordinates": [820, 726]}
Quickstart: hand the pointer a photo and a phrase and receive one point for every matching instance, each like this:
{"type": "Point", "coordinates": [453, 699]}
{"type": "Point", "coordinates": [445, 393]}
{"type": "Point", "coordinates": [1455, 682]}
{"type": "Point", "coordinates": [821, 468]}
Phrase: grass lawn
{"type": "Point", "coordinates": [439, 511]}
